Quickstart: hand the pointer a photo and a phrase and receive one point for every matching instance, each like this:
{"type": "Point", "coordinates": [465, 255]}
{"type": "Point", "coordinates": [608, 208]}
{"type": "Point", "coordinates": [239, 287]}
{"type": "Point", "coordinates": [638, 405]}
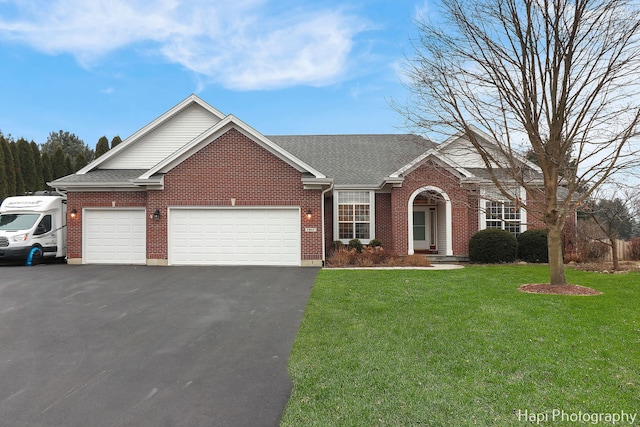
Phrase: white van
{"type": "Point", "coordinates": [33, 228]}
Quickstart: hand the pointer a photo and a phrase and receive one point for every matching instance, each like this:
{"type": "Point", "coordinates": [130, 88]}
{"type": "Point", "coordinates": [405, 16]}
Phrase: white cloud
{"type": "Point", "coordinates": [241, 44]}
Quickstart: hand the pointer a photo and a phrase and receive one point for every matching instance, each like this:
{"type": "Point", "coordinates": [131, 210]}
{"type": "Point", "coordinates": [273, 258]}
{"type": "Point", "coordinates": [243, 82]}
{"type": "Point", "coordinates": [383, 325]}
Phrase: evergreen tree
{"type": "Point", "coordinates": [27, 166]}
{"type": "Point", "coordinates": [4, 186]}
{"type": "Point", "coordinates": [9, 166]}
{"type": "Point", "coordinates": [37, 159]}
{"type": "Point", "coordinates": [80, 162]}
{"type": "Point", "coordinates": [115, 141]}
{"type": "Point", "coordinates": [17, 169]}
{"type": "Point", "coordinates": [58, 167]}
{"type": "Point", "coordinates": [68, 165]}
{"type": "Point", "coordinates": [47, 171]}
{"type": "Point", "coordinates": [102, 146]}
{"type": "Point", "coordinates": [69, 142]}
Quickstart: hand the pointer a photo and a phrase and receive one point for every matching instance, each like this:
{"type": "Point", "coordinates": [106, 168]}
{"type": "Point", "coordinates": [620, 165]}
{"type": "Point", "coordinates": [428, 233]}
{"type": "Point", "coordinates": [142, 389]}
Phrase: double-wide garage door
{"type": "Point", "coordinates": [234, 236]}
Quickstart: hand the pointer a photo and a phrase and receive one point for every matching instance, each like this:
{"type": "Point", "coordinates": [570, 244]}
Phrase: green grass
{"type": "Point", "coordinates": [463, 348]}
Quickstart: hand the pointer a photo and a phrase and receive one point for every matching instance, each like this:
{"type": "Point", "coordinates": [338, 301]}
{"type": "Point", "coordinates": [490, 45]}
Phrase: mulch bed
{"type": "Point", "coordinates": [544, 288]}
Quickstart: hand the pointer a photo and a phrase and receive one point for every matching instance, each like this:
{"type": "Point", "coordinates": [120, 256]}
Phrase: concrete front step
{"type": "Point", "coordinates": [446, 259]}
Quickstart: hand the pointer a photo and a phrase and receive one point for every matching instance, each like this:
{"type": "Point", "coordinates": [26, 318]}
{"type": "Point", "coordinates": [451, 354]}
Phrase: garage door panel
{"type": "Point", "coordinates": [114, 236]}
{"type": "Point", "coordinates": [234, 236]}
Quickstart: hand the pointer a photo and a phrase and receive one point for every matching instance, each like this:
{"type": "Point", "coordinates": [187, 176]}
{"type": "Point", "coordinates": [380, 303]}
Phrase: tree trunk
{"type": "Point", "coordinates": [614, 254]}
{"type": "Point", "coordinates": [556, 258]}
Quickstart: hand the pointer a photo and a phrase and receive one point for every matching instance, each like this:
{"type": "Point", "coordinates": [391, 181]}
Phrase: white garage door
{"type": "Point", "coordinates": [114, 236]}
{"type": "Point", "coordinates": [234, 236]}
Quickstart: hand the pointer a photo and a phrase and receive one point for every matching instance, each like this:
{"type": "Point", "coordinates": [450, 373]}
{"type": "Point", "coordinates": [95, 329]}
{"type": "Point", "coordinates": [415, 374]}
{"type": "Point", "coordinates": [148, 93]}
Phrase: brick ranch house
{"type": "Point", "coordinates": [196, 186]}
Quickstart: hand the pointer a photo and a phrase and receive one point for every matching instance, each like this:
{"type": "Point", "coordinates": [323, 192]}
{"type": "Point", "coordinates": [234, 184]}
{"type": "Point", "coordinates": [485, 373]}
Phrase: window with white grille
{"type": "Point", "coordinates": [504, 216]}
{"type": "Point", "coordinates": [354, 215]}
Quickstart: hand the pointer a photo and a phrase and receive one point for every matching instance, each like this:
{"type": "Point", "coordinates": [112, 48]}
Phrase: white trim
{"type": "Point", "coordinates": [322, 203]}
{"type": "Point", "coordinates": [445, 162]}
{"type": "Point", "coordinates": [430, 227]}
{"type": "Point", "coordinates": [448, 219]}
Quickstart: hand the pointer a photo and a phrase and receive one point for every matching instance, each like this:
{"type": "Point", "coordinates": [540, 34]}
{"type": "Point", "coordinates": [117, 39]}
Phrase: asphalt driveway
{"type": "Point", "coordinates": [147, 346]}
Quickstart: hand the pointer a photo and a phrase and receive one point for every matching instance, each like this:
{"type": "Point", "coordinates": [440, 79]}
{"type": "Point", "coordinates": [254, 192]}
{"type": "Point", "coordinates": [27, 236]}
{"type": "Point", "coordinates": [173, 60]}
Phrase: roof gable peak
{"type": "Point", "coordinates": [156, 123]}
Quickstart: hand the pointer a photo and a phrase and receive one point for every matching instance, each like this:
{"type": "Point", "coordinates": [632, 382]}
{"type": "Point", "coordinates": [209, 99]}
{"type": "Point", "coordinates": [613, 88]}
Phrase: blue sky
{"type": "Point", "coordinates": [109, 67]}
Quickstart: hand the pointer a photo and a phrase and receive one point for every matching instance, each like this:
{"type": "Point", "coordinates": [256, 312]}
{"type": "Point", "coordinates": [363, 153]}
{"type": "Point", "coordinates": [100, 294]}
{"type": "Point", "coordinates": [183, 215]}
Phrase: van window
{"type": "Point", "coordinates": [16, 222]}
{"type": "Point", "coordinates": [44, 226]}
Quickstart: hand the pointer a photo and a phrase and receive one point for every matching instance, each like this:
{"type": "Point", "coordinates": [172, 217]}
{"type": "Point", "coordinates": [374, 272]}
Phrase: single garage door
{"type": "Point", "coordinates": [114, 236]}
{"type": "Point", "coordinates": [234, 236]}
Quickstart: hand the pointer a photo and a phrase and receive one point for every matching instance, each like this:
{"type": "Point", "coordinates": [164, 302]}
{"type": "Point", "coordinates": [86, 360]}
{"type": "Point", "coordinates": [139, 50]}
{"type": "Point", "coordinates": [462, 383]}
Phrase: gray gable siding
{"type": "Point", "coordinates": [164, 140]}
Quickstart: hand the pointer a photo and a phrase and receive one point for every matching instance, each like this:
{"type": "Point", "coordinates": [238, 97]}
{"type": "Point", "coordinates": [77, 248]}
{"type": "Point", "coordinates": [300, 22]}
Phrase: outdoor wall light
{"type": "Point", "coordinates": [74, 214]}
{"type": "Point", "coordinates": [309, 214]}
{"type": "Point", "coordinates": [156, 214]}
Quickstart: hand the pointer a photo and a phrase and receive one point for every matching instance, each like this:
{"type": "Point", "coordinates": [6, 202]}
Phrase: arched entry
{"type": "Point", "coordinates": [429, 221]}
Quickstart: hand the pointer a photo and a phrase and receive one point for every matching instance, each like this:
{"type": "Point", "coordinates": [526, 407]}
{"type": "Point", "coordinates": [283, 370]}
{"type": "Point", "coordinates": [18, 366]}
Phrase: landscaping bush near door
{"type": "Point", "coordinates": [493, 246]}
{"type": "Point", "coordinates": [373, 256]}
{"type": "Point", "coordinates": [532, 246]}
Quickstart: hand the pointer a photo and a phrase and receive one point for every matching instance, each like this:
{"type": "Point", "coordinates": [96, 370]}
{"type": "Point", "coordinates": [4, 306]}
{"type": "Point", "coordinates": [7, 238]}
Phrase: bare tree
{"type": "Point", "coordinates": [612, 214]}
{"type": "Point", "coordinates": [550, 76]}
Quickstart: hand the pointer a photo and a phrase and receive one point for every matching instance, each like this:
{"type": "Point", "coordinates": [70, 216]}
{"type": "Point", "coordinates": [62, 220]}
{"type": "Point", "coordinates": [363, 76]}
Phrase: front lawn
{"type": "Point", "coordinates": [465, 348]}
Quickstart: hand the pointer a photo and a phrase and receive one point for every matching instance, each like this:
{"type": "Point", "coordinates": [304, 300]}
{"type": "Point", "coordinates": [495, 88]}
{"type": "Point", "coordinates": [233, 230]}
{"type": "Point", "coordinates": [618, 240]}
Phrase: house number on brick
{"type": "Point", "coordinates": [311, 229]}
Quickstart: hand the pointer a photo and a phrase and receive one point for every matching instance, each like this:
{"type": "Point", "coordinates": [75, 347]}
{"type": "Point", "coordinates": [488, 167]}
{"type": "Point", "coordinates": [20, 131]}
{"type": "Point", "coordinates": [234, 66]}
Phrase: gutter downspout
{"type": "Point", "coordinates": [324, 249]}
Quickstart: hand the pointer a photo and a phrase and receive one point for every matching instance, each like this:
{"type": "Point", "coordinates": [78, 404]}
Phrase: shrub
{"type": "Point", "coordinates": [532, 246]}
{"type": "Point", "coordinates": [369, 257]}
{"type": "Point", "coordinates": [592, 250]}
{"type": "Point", "coordinates": [492, 246]}
{"type": "Point", "coordinates": [337, 245]}
{"type": "Point", "coordinates": [375, 243]}
{"type": "Point", "coordinates": [416, 261]}
{"type": "Point", "coordinates": [572, 257]}
{"type": "Point", "coordinates": [355, 244]}
{"type": "Point", "coordinates": [342, 258]}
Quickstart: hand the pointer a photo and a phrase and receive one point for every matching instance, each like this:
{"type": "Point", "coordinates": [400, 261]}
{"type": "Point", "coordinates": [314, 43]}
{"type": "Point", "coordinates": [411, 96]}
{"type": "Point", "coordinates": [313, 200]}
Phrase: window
{"type": "Point", "coordinates": [503, 215]}
{"type": "Point", "coordinates": [354, 215]}
{"type": "Point", "coordinates": [44, 226]}
{"type": "Point", "coordinates": [16, 222]}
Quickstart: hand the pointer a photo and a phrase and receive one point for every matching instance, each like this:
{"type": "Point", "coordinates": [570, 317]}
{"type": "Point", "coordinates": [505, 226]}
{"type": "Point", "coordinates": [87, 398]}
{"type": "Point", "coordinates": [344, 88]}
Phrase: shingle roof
{"type": "Point", "coordinates": [355, 159]}
{"type": "Point", "coordinates": [358, 160]}
{"type": "Point", "coordinates": [102, 176]}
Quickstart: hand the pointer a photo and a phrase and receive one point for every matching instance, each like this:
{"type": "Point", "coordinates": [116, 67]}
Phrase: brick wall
{"type": "Point", "coordinates": [328, 223]}
{"type": "Point", "coordinates": [462, 202]}
{"type": "Point", "coordinates": [384, 231]}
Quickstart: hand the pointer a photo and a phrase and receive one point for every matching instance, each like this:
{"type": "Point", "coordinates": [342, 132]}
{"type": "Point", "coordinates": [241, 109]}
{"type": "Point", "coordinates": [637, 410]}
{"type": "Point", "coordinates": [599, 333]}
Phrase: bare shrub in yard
{"type": "Point", "coordinates": [572, 257]}
{"type": "Point", "coordinates": [372, 256]}
{"type": "Point", "coordinates": [376, 254]}
{"type": "Point", "coordinates": [341, 258]}
{"type": "Point", "coordinates": [416, 261]}
{"type": "Point", "coordinates": [365, 260]}
{"type": "Point", "coordinates": [592, 251]}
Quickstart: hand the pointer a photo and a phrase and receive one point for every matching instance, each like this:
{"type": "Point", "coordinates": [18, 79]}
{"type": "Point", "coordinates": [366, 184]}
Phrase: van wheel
{"type": "Point", "coordinates": [35, 257]}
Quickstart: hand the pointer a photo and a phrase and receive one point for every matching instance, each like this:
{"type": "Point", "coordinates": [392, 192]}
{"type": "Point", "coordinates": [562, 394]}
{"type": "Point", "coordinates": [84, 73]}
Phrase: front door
{"type": "Point", "coordinates": [425, 225]}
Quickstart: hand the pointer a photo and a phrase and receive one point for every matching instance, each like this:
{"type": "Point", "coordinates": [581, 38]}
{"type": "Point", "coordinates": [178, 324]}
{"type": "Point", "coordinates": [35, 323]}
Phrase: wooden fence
{"type": "Point", "coordinates": [624, 251]}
